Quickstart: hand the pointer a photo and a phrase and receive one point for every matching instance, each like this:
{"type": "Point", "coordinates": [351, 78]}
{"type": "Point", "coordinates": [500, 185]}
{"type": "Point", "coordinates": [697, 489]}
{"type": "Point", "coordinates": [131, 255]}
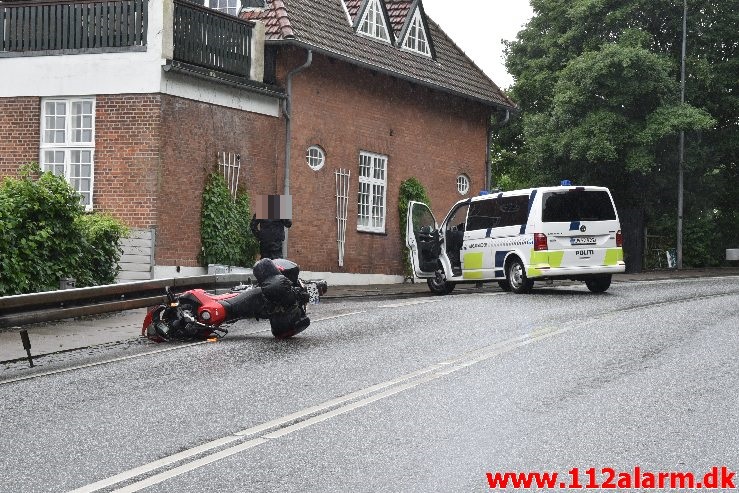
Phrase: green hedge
{"type": "Point", "coordinates": [410, 189]}
{"type": "Point", "coordinates": [224, 226]}
{"type": "Point", "coordinates": [45, 235]}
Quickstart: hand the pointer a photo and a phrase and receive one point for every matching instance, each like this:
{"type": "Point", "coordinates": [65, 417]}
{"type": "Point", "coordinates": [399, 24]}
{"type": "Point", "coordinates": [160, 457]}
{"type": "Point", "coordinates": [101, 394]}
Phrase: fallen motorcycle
{"type": "Point", "coordinates": [279, 296]}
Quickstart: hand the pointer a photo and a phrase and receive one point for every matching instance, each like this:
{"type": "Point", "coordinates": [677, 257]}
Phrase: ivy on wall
{"type": "Point", "coordinates": [224, 226]}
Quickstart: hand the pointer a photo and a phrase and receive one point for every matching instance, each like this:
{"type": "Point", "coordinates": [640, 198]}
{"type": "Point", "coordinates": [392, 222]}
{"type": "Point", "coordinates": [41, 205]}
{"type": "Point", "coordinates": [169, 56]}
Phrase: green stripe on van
{"type": "Point", "coordinates": [551, 258]}
{"type": "Point", "coordinates": [613, 255]}
{"type": "Point", "coordinates": [475, 274]}
{"type": "Point", "coordinates": [539, 257]}
{"type": "Point", "coordinates": [555, 258]}
{"type": "Point", "coordinates": [472, 261]}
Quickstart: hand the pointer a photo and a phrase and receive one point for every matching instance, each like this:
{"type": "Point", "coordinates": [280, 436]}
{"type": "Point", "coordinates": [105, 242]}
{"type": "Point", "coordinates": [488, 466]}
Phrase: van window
{"type": "Point", "coordinates": [498, 212]}
{"type": "Point", "coordinates": [514, 211]}
{"type": "Point", "coordinates": [577, 205]}
{"type": "Point", "coordinates": [483, 215]}
{"type": "Point", "coordinates": [422, 217]}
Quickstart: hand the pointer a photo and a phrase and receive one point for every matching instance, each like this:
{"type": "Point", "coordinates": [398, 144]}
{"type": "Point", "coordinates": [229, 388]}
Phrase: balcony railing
{"type": "Point", "coordinates": [72, 26]}
{"type": "Point", "coordinates": [212, 40]}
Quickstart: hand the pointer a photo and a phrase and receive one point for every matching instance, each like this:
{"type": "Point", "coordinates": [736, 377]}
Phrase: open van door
{"type": "Point", "coordinates": [422, 238]}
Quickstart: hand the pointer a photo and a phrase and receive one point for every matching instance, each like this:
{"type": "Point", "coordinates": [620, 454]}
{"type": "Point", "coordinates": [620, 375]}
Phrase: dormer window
{"type": "Point", "coordinates": [373, 22]}
{"type": "Point", "coordinates": [415, 38]}
{"type": "Point", "coordinates": [230, 7]}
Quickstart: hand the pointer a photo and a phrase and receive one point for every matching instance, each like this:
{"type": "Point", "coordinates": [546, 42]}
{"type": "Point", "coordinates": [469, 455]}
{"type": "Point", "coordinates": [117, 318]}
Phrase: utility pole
{"type": "Point", "coordinates": [681, 160]}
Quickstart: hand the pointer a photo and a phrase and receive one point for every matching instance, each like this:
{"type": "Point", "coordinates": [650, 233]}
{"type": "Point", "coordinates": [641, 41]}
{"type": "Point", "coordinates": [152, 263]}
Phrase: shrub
{"type": "Point", "coordinates": [101, 249]}
{"type": "Point", "coordinates": [45, 235]}
{"type": "Point", "coordinates": [410, 189]}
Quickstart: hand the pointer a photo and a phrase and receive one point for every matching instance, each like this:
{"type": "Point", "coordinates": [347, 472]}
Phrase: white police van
{"type": "Point", "coordinates": [518, 237]}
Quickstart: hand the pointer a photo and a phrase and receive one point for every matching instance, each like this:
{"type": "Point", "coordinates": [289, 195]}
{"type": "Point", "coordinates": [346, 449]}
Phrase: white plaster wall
{"type": "Point", "coordinates": [123, 73]}
{"type": "Point", "coordinates": [88, 74]}
{"type": "Point", "coordinates": [185, 86]}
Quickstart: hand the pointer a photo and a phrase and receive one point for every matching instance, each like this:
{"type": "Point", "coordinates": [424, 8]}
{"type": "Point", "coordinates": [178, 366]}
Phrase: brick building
{"type": "Point", "coordinates": [334, 102]}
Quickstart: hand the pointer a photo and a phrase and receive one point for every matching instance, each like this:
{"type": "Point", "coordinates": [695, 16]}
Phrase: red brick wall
{"type": "Point", "coordinates": [127, 158]}
{"type": "Point", "coordinates": [193, 133]}
{"type": "Point", "coordinates": [345, 109]}
{"type": "Point", "coordinates": [152, 155]}
{"type": "Point", "coordinates": [19, 133]}
{"type": "Point", "coordinates": [126, 151]}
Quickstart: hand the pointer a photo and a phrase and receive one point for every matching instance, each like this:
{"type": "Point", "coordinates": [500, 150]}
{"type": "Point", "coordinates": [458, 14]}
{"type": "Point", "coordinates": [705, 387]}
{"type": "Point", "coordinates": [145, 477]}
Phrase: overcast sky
{"type": "Point", "coordinates": [478, 26]}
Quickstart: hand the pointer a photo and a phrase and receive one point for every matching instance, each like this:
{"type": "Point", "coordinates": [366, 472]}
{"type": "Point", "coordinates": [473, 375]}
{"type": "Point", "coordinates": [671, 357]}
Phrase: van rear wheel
{"type": "Point", "coordinates": [517, 280]}
{"type": "Point", "coordinates": [599, 284]}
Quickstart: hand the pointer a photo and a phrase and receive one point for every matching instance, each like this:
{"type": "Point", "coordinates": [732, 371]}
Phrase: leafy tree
{"type": "Point", "coordinates": [597, 83]}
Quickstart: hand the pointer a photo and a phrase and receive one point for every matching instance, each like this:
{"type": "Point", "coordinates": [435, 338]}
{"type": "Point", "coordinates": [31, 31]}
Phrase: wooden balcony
{"type": "Point", "coordinates": [212, 40]}
{"type": "Point", "coordinates": [39, 28]}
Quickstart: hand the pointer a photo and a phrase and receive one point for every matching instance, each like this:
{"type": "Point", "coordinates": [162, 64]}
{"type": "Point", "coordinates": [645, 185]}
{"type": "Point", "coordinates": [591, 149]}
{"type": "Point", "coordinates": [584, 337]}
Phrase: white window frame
{"type": "Point", "coordinates": [372, 193]}
{"type": "Point", "coordinates": [417, 27]}
{"type": "Point", "coordinates": [68, 147]}
{"type": "Point", "coordinates": [315, 157]}
{"type": "Point", "coordinates": [369, 26]}
{"type": "Point", "coordinates": [463, 184]}
{"type": "Point", "coordinates": [213, 4]}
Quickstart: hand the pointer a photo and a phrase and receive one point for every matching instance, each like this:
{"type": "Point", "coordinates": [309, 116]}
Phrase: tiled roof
{"type": "Point", "coordinates": [276, 22]}
{"type": "Point", "coordinates": [398, 11]}
{"type": "Point", "coordinates": [353, 7]}
{"type": "Point", "coordinates": [322, 25]}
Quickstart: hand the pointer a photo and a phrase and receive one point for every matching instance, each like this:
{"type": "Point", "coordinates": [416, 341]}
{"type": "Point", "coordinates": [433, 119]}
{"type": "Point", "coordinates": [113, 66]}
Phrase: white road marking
{"type": "Point", "coordinates": [409, 303]}
{"type": "Point", "coordinates": [339, 316]}
{"type": "Point", "coordinates": [99, 363]}
{"type": "Point", "coordinates": [204, 461]}
{"type": "Point", "coordinates": [310, 416]}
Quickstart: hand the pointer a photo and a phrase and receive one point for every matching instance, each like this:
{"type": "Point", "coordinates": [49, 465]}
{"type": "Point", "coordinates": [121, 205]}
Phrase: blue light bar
{"type": "Point", "coordinates": [565, 183]}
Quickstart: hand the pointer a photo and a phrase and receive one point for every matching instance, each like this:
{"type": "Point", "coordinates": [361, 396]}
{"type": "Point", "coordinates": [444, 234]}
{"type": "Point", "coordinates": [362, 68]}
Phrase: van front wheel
{"type": "Point", "coordinates": [517, 279]}
{"type": "Point", "coordinates": [439, 285]}
{"type": "Point", "coordinates": [599, 284]}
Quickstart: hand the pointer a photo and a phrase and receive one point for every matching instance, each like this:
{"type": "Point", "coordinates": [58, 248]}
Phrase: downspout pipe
{"type": "Point", "coordinates": [287, 112]}
{"type": "Point", "coordinates": [488, 163]}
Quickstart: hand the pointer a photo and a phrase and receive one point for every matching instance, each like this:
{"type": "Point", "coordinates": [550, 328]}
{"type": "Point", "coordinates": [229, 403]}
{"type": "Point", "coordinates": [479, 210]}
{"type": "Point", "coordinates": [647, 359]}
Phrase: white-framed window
{"type": "Point", "coordinates": [371, 209]}
{"type": "Point", "coordinates": [230, 7]}
{"type": "Point", "coordinates": [315, 157]}
{"type": "Point", "coordinates": [68, 142]}
{"type": "Point", "coordinates": [415, 38]}
{"type": "Point", "coordinates": [373, 22]}
{"type": "Point", "coordinates": [463, 184]}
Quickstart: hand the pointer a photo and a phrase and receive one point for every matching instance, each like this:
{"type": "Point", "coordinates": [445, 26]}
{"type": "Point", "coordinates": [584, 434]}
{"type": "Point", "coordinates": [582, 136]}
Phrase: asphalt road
{"type": "Point", "coordinates": [422, 394]}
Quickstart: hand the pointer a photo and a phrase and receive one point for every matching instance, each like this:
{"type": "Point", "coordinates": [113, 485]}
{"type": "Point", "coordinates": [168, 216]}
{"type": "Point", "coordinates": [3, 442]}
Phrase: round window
{"type": "Point", "coordinates": [463, 184]}
{"type": "Point", "coordinates": [315, 157]}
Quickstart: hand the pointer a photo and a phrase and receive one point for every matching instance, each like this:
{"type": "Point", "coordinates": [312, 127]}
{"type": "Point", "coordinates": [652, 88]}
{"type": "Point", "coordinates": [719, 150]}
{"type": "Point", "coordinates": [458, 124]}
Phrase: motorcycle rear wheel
{"type": "Point", "coordinates": [288, 324]}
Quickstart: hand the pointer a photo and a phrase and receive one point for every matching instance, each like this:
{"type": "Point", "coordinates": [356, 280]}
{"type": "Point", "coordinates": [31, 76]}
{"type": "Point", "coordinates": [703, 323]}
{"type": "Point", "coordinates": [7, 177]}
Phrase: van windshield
{"type": "Point", "coordinates": [577, 205]}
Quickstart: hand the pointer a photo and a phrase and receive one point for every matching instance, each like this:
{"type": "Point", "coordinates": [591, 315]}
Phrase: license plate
{"type": "Point", "coordinates": [582, 240]}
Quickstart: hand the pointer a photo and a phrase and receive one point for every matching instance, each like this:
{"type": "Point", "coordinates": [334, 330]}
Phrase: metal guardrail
{"type": "Point", "coordinates": [24, 309]}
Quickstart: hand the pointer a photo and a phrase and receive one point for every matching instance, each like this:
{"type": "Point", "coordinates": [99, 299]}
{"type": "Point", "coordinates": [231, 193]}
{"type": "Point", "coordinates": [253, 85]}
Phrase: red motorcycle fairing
{"type": "Point", "coordinates": [149, 319]}
{"type": "Point", "coordinates": [208, 307]}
